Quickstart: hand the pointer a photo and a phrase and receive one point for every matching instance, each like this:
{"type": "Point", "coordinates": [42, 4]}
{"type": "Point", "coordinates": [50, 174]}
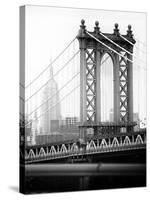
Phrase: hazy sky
{"type": "Point", "coordinates": [49, 30]}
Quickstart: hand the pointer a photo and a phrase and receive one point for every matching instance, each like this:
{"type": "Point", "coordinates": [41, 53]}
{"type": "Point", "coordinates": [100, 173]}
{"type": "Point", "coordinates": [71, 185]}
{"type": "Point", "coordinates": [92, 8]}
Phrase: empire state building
{"type": "Point", "coordinates": [51, 107]}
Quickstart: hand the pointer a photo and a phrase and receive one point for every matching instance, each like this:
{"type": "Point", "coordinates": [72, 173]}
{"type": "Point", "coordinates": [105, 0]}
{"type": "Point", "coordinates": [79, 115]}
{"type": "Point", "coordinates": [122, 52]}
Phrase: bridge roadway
{"type": "Point", "coordinates": [110, 161]}
{"type": "Point", "coordinates": [73, 150]}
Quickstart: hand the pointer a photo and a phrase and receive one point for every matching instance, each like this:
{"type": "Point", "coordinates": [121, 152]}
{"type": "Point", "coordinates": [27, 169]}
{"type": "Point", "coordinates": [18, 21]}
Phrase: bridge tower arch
{"type": "Point", "coordinates": [107, 87]}
{"type": "Point", "coordinates": [91, 53]}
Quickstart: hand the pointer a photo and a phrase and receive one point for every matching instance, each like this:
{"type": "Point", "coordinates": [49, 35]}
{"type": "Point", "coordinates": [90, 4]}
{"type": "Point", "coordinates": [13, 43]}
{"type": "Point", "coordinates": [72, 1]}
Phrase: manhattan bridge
{"type": "Point", "coordinates": [118, 136]}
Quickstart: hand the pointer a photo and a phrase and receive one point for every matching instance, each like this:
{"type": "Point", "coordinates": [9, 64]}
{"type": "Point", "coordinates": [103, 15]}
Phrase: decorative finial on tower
{"type": "Point", "coordinates": [129, 31]}
{"type": "Point", "coordinates": [82, 29]}
{"type": "Point", "coordinates": [82, 22]}
{"type": "Point", "coordinates": [116, 30]}
{"type": "Point", "coordinates": [96, 28]}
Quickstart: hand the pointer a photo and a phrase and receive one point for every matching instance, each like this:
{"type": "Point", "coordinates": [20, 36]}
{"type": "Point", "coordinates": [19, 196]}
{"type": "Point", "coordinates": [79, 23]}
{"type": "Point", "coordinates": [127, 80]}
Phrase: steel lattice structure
{"type": "Point", "coordinates": [93, 45]}
{"type": "Point", "coordinates": [123, 89]}
{"type": "Point", "coordinates": [91, 85]}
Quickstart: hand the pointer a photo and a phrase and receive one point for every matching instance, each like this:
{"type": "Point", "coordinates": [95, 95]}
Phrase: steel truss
{"type": "Point", "coordinates": [90, 85]}
{"type": "Point", "coordinates": [123, 76]}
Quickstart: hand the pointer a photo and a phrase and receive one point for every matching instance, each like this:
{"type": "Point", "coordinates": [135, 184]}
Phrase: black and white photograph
{"type": "Point", "coordinates": [83, 115]}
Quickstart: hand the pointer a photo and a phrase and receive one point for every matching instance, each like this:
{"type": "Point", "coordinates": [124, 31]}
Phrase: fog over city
{"type": "Point", "coordinates": [47, 36]}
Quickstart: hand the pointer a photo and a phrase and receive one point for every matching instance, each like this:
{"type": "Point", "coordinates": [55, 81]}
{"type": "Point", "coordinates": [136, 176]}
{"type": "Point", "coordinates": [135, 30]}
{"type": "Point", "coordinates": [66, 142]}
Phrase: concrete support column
{"type": "Point", "coordinates": [116, 89]}
{"type": "Point", "coordinates": [130, 88]}
{"type": "Point", "coordinates": [98, 87]}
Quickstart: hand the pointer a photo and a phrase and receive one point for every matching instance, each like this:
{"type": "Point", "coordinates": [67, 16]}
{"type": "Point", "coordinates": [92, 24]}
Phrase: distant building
{"type": "Point", "coordinates": [69, 125]}
{"type": "Point", "coordinates": [135, 117]}
{"type": "Point", "coordinates": [111, 115]}
{"type": "Point", "coordinates": [48, 139]}
{"type": "Point", "coordinates": [71, 121]}
{"type": "Point", "coordinates": [51, 108]}
{"type": "Point", "coordinates": [27, 136]}
{"type": "Point", "coordinates": [26, 132]}
{"type": "Point", "coordinates": [54, 125]}
{"type": "Point", "coordinates": [137, 120]}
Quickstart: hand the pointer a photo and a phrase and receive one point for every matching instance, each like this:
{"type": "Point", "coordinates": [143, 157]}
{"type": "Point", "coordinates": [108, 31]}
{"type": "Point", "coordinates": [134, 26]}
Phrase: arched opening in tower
{"type": "Point", "coordinates": [106, 82]}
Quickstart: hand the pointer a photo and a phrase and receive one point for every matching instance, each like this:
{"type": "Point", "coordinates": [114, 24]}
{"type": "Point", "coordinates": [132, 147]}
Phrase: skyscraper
{"type": "Point", "coordinates": [51, 107]}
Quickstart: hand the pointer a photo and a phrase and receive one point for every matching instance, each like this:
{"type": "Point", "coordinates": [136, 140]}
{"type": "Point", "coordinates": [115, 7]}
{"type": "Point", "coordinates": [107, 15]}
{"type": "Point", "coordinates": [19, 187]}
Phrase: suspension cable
{"type": "Point", "coordinates": [120, 46]}
{"type": "Point", "coordinates": [57, 57]}
{"type": "Point", "coordinates": [108, 47]}
{"type": "Point", "coordinates": [132, 43]}
{"type": "Point", "coordinates": [126, 40]}
{"type": "Point", "coordinates": [141, 42]}
{"type": "Point", "coordinates": [53, 105]}
{"type": "Point", "coordinates": [111, 48]}
{"type": "Point", "coordinates": [105, 60]}
{"type": "Point", "coordinates": [53, 76]}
